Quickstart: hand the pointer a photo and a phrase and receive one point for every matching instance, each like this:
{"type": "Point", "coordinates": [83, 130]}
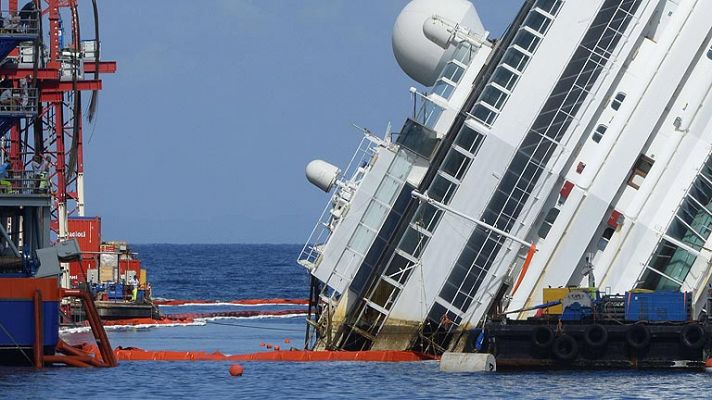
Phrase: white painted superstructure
{"type": "Point", "coordinates": [585, 133]}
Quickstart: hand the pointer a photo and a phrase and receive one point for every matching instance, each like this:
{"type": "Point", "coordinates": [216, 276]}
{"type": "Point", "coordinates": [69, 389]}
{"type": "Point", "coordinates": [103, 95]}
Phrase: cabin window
{"type": "Point", "coordinates": [709, 53]}
{"type": "Point", "coordinates": [469, 140]}
{"type": "Point", "coordinates": [617, 101]}
{"type": "Point", "coordinates": [550, 6]}
{"type": "Point", "coordinates": [516, 59]}
{"type": "Point", "coordinates": [494, 97]}
{"type": "Point", "coordinates": [527, 40]}
{"type": "Point", "coordinates": [548, 222]}
{"type": "Point", "coordinates": [599, 132]}
{"type": "Point", "coordinates": [453, 72]}
{"type": "Point", "coordinates": [605, 238]}
{"type": "Point", "coordinates": [443, 89]}
{"type": "Point", "coordinates": [505, 77]}
{"type": "Point", "coordinates": [537, 21]}
{"type": "Point", "coordinates": [640, 171]}
{"type": "Point", "coordinates": [464, 54]}
{"type": "Point", "coordinates": [484, 114]}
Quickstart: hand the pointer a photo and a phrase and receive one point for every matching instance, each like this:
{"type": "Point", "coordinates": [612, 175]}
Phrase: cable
{"type": "Point", "coordinates": [255, 327]}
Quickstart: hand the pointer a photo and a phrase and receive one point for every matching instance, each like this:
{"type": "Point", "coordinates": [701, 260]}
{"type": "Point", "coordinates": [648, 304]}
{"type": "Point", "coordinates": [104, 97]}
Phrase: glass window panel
{"type": "Point", "coordinates": [484, 114]}
{"type": "Point", "coordinates": [464, 54]}
{"type": "Point", "coordinates": [433, 116]}
{"type": "Point", "coordinates": [399, 268]}
{"type": "Point", "coordinates": [527, 40]}
{"type": "Point", "coordinates": [516, 59]}
{"type": "Point", "coordinates": [448, 293]}
{"type": "Point", "coordinates": [418, 138]}
{"type": "Point", "coordinates": [443, 89]}
{"type": "Point", "coordinates": [384, 294]}
{"type": "Point", "coordinates": [550, 6]}
{"type": "Point", "coordinates": [707, 169]}
{"type": "Point", "coordinates": [537, 21]}
{"type": "Point", "coordinates": [456, 164]}
{"type": "Point", "coordinates": [413, 242]}
{"type": "Point", "coordinates": [375, 251]}
{"type": "Point", "coordinates": [457, 276]}
{"type": "Point", "coordinates": [505, 77]}
{"type": "Point", "coordinates": [618, 101]}
{"type": "Point", "coordinates": [453, 72]}
{"type": "Point", "coordinates": [388, 190]}
{"type": "Point", "coordinates": [374, 216]}
{"type": "Point", "coordinates": [427, 217]}
{"type": "Point", "coordinates": [400, 167]}
{"type": "Point", "coordinates": [467, 257]}
{"type": "Point", "coordinates": [605, 238]}
{"type": "Point", "coordinates": [598, 134]}
{"type": "Point", "coordinates": [672, 261]}
{"type": "Point", "coordinates": [441, 189]}
{"type": "Point", "coordinates": [359, 281]}
{"type": "Point", "coordinates": [361, 239]}
{"type": "Point", "coordinates": [469, 140]}
{"type": "Point", "coordinates": [494, 97]}
{"type": "Point", "coordinates": [548, 222]}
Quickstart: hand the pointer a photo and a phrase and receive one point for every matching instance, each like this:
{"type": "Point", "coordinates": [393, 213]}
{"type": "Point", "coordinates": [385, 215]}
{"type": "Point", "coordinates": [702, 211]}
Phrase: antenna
{"type": "Point", "coordinates": [388, 137]}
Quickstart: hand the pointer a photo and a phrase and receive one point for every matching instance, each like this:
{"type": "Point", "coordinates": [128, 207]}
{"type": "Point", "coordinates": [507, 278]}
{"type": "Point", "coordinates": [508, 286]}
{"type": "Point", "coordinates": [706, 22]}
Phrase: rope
{"type": "Point", "coordinates": [255, 327]}
{"type": "Point", "coordinates": [16, 344]}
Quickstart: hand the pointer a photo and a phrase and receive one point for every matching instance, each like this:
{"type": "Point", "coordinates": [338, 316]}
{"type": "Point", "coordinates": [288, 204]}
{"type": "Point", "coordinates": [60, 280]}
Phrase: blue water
{"type": "Point", "coordinates": [229, 272]}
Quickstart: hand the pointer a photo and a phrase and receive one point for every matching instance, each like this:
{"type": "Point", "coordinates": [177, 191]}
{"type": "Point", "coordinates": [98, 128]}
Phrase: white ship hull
{"type": "Point", "coordinates": [584, 133]}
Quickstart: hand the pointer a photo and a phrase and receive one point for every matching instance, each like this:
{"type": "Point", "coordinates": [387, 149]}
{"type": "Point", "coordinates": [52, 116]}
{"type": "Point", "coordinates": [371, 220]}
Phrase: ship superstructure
{"type": "Point", "coordinates": [576, 148]}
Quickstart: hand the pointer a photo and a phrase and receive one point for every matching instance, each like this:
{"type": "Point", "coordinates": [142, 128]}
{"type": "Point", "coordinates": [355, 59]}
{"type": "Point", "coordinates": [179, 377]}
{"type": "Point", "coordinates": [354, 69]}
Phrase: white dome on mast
{"type": "Point", "coordinates": [420, 50]}
{"type": "Point", "coordinates": [322, 174]}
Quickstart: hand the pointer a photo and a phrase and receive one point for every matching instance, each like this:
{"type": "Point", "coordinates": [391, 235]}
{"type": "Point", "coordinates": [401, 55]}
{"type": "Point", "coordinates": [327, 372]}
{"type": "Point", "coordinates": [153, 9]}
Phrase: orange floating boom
{"type": "Point", "coordinates": [136, 354]}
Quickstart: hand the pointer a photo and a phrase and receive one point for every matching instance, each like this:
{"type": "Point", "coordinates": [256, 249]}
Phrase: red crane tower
{"type": "Point", "coordinates": [45, 77]}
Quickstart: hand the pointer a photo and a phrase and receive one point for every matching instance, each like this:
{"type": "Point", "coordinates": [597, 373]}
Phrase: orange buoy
{"type": "Point", "coordinates": [708, 365]}
{"type": "Point", "coordinates": [236, 370]}
{"type": "Point", "coordinates": [287, 340]}
{"type": "Point", "coordinates": [276, 348]}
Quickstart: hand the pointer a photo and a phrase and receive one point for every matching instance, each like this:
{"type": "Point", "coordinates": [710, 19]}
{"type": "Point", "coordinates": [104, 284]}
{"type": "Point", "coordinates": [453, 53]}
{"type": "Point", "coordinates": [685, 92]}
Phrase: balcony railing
{"type": "Point", "coordinates": [18, 102]}
{"type": "Point", "coordinates": [19, 24]}
{"type": "Point", "coordinates": [24, 183]}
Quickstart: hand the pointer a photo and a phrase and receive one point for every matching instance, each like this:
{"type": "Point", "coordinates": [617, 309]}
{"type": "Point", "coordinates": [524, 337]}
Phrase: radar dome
{"type": "Point", "coordinates": [322, 174]}
{"type": "Point", "coordinates": [420, 57]}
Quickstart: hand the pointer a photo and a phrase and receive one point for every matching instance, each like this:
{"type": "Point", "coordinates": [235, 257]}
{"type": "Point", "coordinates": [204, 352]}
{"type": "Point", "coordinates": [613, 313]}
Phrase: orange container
{"type": "Point", "coordinates": [87, 231]}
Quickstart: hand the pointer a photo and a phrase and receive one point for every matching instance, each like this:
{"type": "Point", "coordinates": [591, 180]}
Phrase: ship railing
{"type": "Point", "coordinates": [357, 167]}
{"type": "Point", "coordinates": [19, 23]}
{"type": "Point", "coordinates": [18, 102]}
{"type": "Point", "coordinates": [24, 183]}
{"type": "Point", "coordinates": [353, 175]}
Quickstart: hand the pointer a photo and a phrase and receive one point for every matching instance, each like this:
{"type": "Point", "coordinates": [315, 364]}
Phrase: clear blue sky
{"type": "Point", "coordinates": [204, 133]}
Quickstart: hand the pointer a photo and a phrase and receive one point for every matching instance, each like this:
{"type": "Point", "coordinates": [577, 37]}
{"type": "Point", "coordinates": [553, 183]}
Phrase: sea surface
{"type": "Point", "coordinates": [229, 272]}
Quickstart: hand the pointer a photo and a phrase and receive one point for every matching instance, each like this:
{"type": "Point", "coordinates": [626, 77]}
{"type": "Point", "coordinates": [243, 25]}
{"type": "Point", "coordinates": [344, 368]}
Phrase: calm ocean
{"type": "Point", "coordinates": [227, 272]}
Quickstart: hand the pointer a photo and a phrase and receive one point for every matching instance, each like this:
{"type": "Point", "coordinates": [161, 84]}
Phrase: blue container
{"type": "Point", "coordinates": [657, 306]}
{"type": "Point", "coordinates": [116, 291]}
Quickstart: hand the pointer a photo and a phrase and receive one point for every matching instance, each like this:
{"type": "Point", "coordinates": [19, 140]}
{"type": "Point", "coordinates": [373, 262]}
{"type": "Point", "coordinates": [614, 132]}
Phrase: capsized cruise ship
{"type": "Point", "coordinates": [574, 150]}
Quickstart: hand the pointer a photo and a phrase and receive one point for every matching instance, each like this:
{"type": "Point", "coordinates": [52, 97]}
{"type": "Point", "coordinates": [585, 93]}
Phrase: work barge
{"type": "Point", "coordinates": [638, 330]}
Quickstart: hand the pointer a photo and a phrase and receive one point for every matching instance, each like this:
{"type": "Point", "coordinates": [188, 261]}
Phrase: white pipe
{"type": "Point", "coordinates": [487, 226]}
{"type": "Point", "coordinates": [80, 194]}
